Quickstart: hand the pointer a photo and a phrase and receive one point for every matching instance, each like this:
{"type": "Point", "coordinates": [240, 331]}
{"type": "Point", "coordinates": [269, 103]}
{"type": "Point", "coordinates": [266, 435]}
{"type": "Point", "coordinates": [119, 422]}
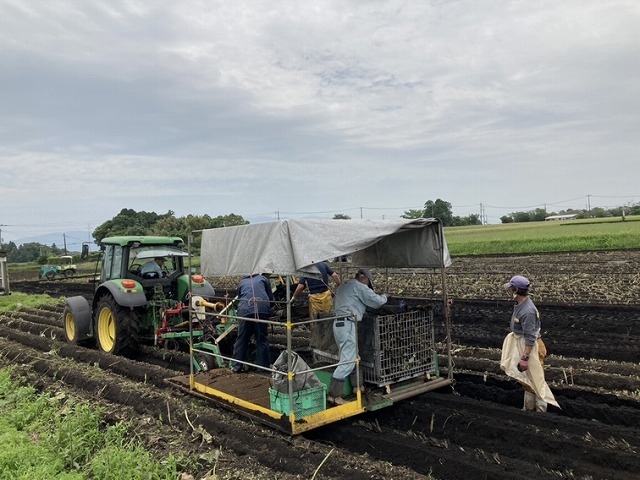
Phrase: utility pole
{"type": "Point", "coordinates": [360, 213]}
{"type": "Point", "coordinates": [64, 240]}
{"type": "Point", "coordinates": [483, 215]}
{"type": "Point", "coordinates": [589, 204]}
{"type": "Point", "coordinates": [2, 225]}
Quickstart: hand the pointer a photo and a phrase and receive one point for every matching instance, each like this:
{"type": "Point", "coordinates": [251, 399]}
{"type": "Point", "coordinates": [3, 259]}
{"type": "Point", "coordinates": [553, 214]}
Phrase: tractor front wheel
{"type": "Point", "coordinates": [116, 327]}
{"type": "Point", "coordinates": [69, 272]}
{"type": "Point", "coordinates": [77, 321]}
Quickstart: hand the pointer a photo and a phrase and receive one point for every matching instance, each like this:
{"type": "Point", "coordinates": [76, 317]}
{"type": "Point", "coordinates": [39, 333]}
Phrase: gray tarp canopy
{"type": "Point", "coordinates": [292, 247]}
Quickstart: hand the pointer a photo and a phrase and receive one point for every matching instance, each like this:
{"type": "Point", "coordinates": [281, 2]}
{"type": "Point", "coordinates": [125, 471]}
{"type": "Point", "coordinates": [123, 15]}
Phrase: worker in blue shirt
{"type": "Point", "coordinates": [254, 301]}
{"type": "Point", "coordinates": [351, 300]}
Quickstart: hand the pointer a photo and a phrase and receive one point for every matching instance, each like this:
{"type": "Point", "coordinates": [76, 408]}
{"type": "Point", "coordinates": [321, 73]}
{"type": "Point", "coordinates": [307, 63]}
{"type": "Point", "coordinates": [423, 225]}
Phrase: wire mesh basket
{"type": "Point", "coordinates": [393, 347]}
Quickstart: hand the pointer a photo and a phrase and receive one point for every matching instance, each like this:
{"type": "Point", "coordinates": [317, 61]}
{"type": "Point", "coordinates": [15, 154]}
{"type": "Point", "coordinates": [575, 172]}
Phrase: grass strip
{"type": "Point", "coordinates": [17, 300]}
{"type": "Point", "coordinates": [52, 437]}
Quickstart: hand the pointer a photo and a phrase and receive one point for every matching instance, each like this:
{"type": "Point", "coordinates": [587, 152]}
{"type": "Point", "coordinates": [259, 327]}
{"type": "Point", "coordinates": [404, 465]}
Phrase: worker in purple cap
{"type": "Point", "coordinates": [523, 351]}
{"type": "Point", "coordinates": [351, 300]}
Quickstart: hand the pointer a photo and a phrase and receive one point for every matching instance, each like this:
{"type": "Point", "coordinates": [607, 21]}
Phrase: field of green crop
{"type": "Point", "coordinates": [540, 237]}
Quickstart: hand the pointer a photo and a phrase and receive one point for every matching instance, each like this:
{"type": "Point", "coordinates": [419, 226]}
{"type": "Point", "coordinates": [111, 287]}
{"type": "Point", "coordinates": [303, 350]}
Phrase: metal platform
{"type": "Point", "coordinates": [248, 394]}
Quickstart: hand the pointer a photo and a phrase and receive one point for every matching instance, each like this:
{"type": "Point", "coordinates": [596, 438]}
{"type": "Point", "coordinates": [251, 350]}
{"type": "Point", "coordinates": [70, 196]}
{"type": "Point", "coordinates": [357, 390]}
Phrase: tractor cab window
{"type": "Point", "coordinates": [154, 261]}
{"type": "Point", "coordinates": [112, 262]}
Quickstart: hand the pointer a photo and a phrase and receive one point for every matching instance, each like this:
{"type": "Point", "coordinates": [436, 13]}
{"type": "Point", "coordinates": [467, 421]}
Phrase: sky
{"type": "Point", "coordinates": [282, 109]}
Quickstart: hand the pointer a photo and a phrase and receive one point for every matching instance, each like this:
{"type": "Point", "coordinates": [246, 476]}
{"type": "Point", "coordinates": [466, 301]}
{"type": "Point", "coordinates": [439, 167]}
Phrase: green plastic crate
{"type": "Point", "coordinates": [305, 402]}
{"type": "Point", "coordinates": [325, 377]}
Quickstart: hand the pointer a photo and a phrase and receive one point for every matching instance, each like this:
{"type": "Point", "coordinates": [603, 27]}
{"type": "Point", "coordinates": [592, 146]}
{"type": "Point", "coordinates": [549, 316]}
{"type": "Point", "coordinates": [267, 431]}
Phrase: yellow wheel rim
{"type": "Point", "coordinates": [70, 326]}
{"type": "Point", "coordinates": [106, 329]}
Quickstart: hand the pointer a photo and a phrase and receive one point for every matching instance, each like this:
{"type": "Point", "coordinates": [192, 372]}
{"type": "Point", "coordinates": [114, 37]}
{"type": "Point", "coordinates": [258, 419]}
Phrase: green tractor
{"type": "Point", "coordinates": [64, 266]}
{"type": "Point", "coordinates": [142, 297]}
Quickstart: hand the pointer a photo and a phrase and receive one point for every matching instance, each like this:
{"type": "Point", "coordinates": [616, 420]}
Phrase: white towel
{"type": "Point", "coordinates": [512, 351]}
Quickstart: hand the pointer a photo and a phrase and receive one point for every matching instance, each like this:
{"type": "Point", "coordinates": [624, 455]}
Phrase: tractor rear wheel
{"type": "Point", "coordinates": [116, 327]}
{"type": "Point", "coordinates": [69, 272]}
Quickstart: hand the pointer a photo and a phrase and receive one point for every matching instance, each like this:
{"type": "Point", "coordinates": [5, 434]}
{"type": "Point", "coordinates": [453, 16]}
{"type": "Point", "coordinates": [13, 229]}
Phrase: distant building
{"type": "Point", "coordinates": [552, 218]}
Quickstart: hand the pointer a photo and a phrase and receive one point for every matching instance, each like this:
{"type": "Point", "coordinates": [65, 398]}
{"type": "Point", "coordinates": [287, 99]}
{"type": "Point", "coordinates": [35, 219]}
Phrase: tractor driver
{"type": "Point", "coordinates": [153, 268]}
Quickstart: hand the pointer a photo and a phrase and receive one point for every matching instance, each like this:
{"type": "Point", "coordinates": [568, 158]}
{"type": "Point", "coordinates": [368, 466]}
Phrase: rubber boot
{"type": "Point", "coordinates": [529, 401]}
{"type": "Point", "coordinates": [541, 405]}
{"type": "Point", "coordinates": [336, 388]}
{"type": "Point", "coordinates": [353, 378]}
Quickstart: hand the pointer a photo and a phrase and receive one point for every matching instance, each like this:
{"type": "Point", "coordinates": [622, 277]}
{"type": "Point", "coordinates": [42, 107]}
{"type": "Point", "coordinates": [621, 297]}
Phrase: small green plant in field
{"type": "Point", "coordinates": [44, 437]}
{"type": "Point", "coordinates": [79, 436]}
{"type": "Point", "coordinates": [111, 461]}
{"type": "Point", "coordinates": [16, 301]}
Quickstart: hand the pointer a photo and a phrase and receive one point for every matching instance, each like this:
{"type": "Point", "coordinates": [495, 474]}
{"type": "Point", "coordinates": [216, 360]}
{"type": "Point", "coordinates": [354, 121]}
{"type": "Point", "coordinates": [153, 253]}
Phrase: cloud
{"type": "Point", "coordinates": [257, 107]}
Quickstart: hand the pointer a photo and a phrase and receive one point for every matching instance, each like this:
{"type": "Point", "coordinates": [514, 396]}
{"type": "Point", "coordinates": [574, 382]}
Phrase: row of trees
{"type": "Point", "coordinates": [433, 209]}
{"type": "Point", "coordinates": [442, 210]}
{"type": "Point", "coordinates": [31, 252]}
{"type": "Point", "coordinates": [540, 214]}
{"type": "Point", "coordinates": [127, 222]}
{"type": "Point", "coordinates": [130, 222]}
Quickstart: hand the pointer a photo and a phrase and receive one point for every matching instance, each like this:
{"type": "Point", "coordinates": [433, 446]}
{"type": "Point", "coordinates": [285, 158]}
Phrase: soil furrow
{"type": "Point", "coordinates": [479, 431]}
{"type": "Point", "coordinates": [161, 402]}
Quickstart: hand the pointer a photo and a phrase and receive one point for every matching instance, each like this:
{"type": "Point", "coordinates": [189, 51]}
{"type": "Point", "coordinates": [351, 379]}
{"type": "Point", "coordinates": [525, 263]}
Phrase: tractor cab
{"type": "Point", "coordinates": [134, 258]}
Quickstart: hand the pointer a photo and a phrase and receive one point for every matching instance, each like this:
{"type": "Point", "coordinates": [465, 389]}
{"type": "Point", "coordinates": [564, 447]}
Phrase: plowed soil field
{"type": "Point", "coordinates": [590, 311]}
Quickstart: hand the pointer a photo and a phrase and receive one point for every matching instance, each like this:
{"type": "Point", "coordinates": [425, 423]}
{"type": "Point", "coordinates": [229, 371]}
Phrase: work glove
{"type": "Point", "coordinates": [523, 364]}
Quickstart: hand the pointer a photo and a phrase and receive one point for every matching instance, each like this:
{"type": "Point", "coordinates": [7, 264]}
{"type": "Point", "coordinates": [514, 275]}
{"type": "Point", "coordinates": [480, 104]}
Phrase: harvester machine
{"type": "Point", "coordinates": [397, 355]}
